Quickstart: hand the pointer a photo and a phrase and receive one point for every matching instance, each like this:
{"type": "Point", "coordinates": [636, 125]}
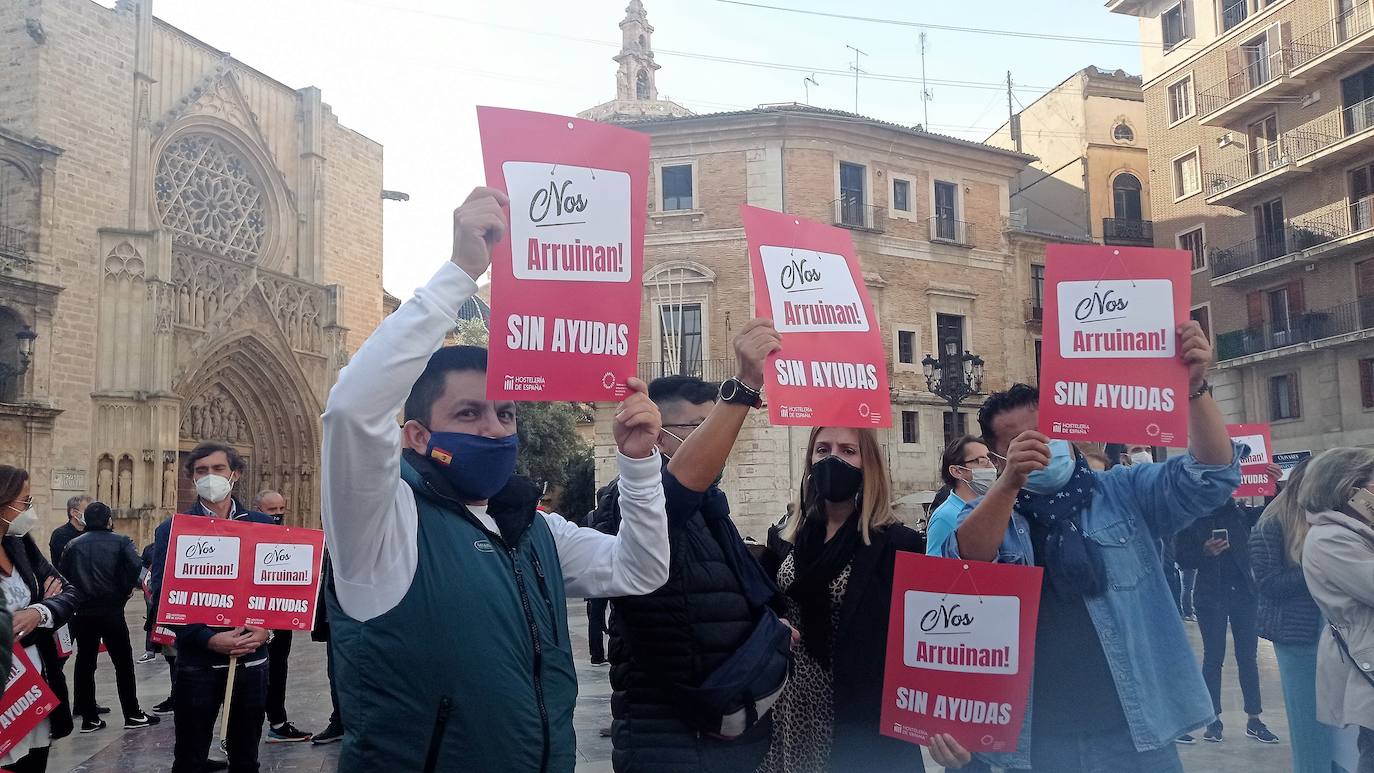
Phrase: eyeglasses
{"type": "Point", "coordinates": [688, 427]}
{"type": "Point", "coordinates": [981, 461]}
{"type": "Point", "coordinates": [27, 502]}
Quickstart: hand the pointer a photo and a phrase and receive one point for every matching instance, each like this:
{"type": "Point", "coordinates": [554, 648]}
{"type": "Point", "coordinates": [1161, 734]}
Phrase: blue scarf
{"type": "Point", "coordinates": [1073, 563]}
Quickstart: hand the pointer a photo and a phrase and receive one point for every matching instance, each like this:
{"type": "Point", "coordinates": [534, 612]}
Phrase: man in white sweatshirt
{"type": "Point", "coordinates": [449, 607]}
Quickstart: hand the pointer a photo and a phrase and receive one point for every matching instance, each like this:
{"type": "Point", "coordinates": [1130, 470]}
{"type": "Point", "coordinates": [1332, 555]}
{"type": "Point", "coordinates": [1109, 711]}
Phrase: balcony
{"type": "Point", "coordinates": [1128, 233]}
{"type": "Point", "coordinates": [14, 242]}
{"type": "Point", "coordinates": [1261, 170]}
{"type": "Point", "coordinates": [1235, 13]}
{"type": "Point", "coordinates": [1335, 45]}
{"type": "Point", "coordinates": [1326, 327]}
{"type": "Point", "coordinates": [714, 371]}
{"type": "Point", "coordinates": [853, 214]}
{"type": "Point", "coordinates": [951, 231]}
{"type": "Point", "coordinates": [1350, 227]}
{"type": "Point", "coordinates": [1335, 137]}
{"type": "Point", "coordinates": [1034, 311]}
{"type": "Point", "coordinates": [1228, 100]}
{"type": "Point", "coordinates": [1292, 239]}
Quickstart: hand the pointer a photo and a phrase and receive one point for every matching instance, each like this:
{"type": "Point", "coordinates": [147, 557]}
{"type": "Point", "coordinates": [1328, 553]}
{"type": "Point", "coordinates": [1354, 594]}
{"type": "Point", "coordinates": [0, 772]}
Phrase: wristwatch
{"type": "Point", "coordinates": [1205, 389]}
{"type": "Point", "coordinates": [732, 390]}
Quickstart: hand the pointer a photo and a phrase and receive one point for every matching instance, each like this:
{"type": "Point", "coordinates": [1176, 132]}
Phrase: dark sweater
{"type": "Point", "coordinates": [1287, 613]}
{"type": "Point", "coordinates": [1228, 572]}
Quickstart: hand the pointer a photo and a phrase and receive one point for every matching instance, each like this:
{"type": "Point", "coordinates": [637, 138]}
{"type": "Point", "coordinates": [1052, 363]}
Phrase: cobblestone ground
{"type": "Point", "coordinates": [114, 750]}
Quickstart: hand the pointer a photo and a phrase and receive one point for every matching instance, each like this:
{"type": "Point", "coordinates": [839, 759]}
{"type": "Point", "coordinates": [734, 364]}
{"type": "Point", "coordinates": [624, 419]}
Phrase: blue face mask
{"type": "Point", "coordinates": [477, 467]}
{"type": "Point", "coordinates": [1053, 478]}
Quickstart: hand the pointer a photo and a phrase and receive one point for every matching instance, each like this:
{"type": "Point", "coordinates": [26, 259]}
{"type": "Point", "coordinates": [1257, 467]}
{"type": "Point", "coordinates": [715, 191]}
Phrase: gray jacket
{"type": "Point", "coordinates": [1338, 562]}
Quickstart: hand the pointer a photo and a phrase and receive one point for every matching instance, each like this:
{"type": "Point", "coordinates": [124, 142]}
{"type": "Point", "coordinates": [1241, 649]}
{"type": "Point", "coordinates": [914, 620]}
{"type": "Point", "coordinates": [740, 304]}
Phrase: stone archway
{"type": "Point", "coordinates": [248, 395]}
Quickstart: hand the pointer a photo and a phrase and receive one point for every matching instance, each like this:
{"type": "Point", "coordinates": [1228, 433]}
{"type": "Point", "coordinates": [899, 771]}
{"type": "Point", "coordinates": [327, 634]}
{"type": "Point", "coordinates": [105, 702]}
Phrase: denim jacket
{"type": "Point", "coordinates": [1157, 677]}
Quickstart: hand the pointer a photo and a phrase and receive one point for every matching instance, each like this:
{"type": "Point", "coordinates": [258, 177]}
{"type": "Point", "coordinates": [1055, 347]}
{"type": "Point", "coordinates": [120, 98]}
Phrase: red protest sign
{"type": "Point", "coordinates": [566, 282]}
{"type": "Point", "coordinates": [1254, 469]}
{"type": "Point", "coordinates": [232, 573]}
{"type": "Point", "coordinates": [960, 651]}
{"type": "Point", "coordinates": [1110, 369]}
{"type": "Point", "coordinates": [832, 370]}
{"type": "Point", "coordinates": [26, 701]}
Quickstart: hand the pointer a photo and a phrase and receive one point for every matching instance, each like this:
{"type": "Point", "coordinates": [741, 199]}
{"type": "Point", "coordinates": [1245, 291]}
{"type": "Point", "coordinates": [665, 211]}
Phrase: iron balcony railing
{"type": "Point", "coordinates": [1301, 328]}
{"type": "Point", "coordinates": [714, 371]}
{"type": "Point", "coordinates": [14, 242]}
{"type": "Point", "coordinates": [1128, 233]}
{"type": "Point", "coordinates": [1291, 238]}
{"type": "Point", "coordinates": [1256, 162]}
{"type": "Point", "coordinates": [1234, 14]}
{"type": "Point", "coordinates": [1251, 77]}
{"type": "Point", "coordinates": [1335, 32]}
{"type": "Point", "coordinates": [1035, 310]}
{"type": "Point", "coordinates": [947, 229]}
{"type": "Point", "coordinates": [852, 213]}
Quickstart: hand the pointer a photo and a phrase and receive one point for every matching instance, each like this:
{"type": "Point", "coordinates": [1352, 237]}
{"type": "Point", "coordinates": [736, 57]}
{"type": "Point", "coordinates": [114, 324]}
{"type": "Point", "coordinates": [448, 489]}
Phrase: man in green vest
{"type": "Point", "coordinates": [448, 610]}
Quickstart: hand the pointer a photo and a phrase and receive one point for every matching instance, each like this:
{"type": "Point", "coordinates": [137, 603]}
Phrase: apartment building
{"type": "Point", "coordinates": [1261, 145]}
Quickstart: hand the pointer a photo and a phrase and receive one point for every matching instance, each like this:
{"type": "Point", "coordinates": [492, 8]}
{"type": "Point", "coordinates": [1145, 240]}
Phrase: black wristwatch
{"type": "Point", "coordinates": [732, 390]}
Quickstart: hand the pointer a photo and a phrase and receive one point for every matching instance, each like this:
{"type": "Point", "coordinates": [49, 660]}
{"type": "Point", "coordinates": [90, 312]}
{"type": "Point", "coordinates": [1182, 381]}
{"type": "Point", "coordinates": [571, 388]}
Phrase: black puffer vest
{"type": "Point", "coordinates": [678, 635]}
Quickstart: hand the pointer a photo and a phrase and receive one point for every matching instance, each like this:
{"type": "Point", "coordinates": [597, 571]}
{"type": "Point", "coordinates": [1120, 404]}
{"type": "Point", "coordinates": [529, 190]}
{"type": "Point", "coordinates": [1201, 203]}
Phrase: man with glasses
{"type": "Point", "coordinates": [668, 642]}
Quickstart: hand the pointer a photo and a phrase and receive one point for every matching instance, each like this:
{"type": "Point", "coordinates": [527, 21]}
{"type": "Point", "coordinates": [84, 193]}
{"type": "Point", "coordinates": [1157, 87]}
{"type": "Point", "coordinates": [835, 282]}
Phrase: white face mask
{"type": "Point", "coordinates": [214, 488]}
{"type": "Point", "coordinates": [22, 523]}
{"type": "Point", "coordinates": [1142, 457]}
{"type": "Point", "coordinates": [982, 479]}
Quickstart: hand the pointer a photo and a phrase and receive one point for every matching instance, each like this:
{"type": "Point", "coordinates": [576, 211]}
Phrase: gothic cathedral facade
{"type": "Point", "coordinates": [189, 251]}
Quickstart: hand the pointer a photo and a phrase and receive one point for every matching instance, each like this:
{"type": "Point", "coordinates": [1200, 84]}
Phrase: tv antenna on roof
{"type": "Point", "coordinates": [807, 83]}
{"type": "Point", "coordinates": [855, 68]}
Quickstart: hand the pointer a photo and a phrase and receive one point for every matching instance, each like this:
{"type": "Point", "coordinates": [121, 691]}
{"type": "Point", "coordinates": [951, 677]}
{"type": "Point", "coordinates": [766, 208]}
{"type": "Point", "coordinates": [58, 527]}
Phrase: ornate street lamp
{"type": "Point", "coordinates": [26, 336]}
{"type": "Point", "coordinates": [955, 377]}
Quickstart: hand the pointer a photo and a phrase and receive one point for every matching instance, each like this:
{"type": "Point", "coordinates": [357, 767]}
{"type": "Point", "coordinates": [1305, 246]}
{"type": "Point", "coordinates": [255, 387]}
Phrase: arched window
{"type": "Point", "coordinates": [209, 198]}
{"type": "Point", "coordinates": [1123, 133]}
{"type": "Point", "coordinates": [18, 210]}
{"type": "Point", "coordinates": [642, 85]}
{"type": "Point", "coordinates": [1126, 197]}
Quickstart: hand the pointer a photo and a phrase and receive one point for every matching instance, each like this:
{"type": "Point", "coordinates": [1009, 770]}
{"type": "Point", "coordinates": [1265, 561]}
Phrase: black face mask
{"type": "Point", "coordinates": [836, 480]}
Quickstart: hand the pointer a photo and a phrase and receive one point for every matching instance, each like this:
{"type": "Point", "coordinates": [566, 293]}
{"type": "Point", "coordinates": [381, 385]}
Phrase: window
{"type": "Point", "coordinates": [1233, 12]}
{"type": "Point", "coordinates": [1038, 347]}
{"type": "Point", "coordinates": [10, 378]}
{"type": "Point", "coordinates": [1361, 183]}
{"type": "Point", "coordinates": [1123, 133]}
{"type": "Point", "coordinates": [1271, 237]}
{"type": "Point", "coordinates": [1279, 318]}
{"type": "Point", "coordinates": [1175, 25]}
{"type": "Point", "coordinates": [852, 197]}
{"type": "Point", "coordinates": [1367, 383]}
{"type": "Point", "coordinates": [946, 211]}
{"type": "Point", "coordinates": [1255, 56]}
{"type": "Point", "coordinates": [1187, 175]}
{"type": "Point", "coordinates": [901, 195]}
{"type": "Point", "coordinates": [1283, 397]}
{"type": "Point", "coordinates": [1038, 285]}
{"type": "Point", "coordinates": [1181, 100]}
{"type": "Point", "coordinates": [956, 426]}
{"type": "Point", "coordinates": [911, 427]}
{"type": "Point", "coordinates": [1264, 145]}
{"type": "Point", "coordinates": [906, 346]}
{"type": "Point", "coordinates": [1192, 242]}
{"type": "Point", "coordinates": [1203, 317]}
{"type": "Point", "coordinates": [1126, 197]}
{"type": "Point", "coordinates": [677, 187]}
{"type": "Point", "coordinates": [949, 329]}
{"type": "Point", "coordinates": [680, 339]}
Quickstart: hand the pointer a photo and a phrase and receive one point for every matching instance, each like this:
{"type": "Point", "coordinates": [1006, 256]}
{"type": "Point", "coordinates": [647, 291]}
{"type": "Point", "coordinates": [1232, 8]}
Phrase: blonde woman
{"type": "Point", "coordinates": [1338, 563]}
{"type": "Point", "coordinates": [833, 560]}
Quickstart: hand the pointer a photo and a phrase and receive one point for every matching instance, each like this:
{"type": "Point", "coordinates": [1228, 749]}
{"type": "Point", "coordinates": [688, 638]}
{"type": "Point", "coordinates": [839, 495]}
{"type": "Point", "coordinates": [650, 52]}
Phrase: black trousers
{"type": "Point", "coordinates": [1239, 608]}
{"type": "Point", "coordinates": [333, 692]}
{"type": "Point", "coordinates": [88, 631]}
{"type": "Point", "coordinates": [596, 628]}
{"type": "Point", "coordinates": [200, 693]}
{"type": "Point", "coordinates": [36, 761]}
{"type": "Point", "coordinates": [279, 654]}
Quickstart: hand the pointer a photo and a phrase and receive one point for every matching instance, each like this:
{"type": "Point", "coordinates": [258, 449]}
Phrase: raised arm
{"type": "Point", "coordinates": [980, 534]}
{"type": "Point", "coordinates": [699, 461]}
{"type": "Point", "coordinates": [362, 506]}
{"type": "Point", "coordinates": [634, 561]}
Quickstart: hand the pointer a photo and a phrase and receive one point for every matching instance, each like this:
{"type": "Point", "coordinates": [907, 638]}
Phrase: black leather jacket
{"type": "Point", "coordinates": [105, 566]}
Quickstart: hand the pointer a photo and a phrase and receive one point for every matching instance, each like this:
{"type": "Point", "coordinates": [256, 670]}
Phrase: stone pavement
{"type": "Point", "coordinates": [114, 750]}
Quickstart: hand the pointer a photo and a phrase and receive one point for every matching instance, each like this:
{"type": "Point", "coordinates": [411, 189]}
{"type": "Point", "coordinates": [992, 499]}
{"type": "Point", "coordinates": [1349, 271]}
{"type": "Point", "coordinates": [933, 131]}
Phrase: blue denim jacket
{"type": "Point", "coordinates": [1152, 663]}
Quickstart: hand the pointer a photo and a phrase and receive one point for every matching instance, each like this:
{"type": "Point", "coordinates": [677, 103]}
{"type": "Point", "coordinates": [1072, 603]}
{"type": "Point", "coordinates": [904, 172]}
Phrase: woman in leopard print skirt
{"type": "Point", "coordinates": [833, 561]}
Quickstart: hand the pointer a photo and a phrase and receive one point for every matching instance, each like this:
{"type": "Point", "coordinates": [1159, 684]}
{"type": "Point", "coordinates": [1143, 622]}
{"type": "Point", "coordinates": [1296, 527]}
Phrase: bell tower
{"type": "Point", "coordinates": [635, 78]}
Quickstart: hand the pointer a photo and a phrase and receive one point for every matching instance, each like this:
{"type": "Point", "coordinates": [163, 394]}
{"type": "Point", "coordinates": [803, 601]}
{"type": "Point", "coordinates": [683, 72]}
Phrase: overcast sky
{"type": "Point", "coordinates": [408, 73]}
